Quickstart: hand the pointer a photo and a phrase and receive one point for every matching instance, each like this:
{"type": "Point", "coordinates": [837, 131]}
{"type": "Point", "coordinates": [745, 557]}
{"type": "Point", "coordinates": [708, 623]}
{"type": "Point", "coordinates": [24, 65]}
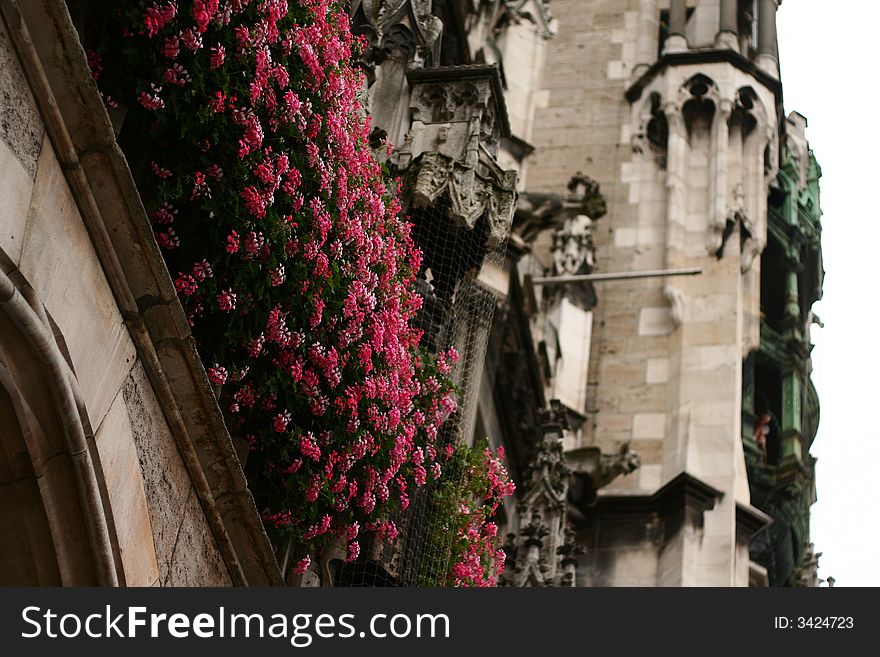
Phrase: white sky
{"type": "Point", "coordinates": [828, 56]}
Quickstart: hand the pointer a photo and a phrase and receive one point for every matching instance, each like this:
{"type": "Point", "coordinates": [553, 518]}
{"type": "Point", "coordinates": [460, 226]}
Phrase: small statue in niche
{"type": "Point", "coordinates": [573, 248]}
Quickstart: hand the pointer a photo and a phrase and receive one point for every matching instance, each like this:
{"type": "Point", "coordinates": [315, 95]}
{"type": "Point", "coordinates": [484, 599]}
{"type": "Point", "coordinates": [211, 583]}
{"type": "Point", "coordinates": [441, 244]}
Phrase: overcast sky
{"type": "Point", "coordinates": [828, 56]}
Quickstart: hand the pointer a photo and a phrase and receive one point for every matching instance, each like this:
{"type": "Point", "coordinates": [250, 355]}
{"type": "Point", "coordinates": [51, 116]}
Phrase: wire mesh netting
{"type": "Point", "coordinates": [458, 305]}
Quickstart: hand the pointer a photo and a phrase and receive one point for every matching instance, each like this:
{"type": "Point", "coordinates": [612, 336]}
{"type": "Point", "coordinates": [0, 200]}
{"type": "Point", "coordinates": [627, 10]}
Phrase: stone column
{"type": "Point", "coordinates": [676, 159]}
{"type": "Point", "coordinates": [676, 41]}
{"type": "Point", "coordinates": [646, 45]}
{"type": "Point", "coordinates": [718, 192]}
{"type": "Point", "coordinates": [676, 205]}
{"type": "Point", "coordinates": [728, 35]}
{"type": "Point", "coordinates": [766, 58]}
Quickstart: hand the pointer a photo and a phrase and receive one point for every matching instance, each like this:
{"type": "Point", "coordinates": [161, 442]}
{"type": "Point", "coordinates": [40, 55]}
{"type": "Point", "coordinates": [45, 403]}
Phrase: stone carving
{"type": "Point", "coordinates": [593, 470]}
{"type": "Point", "coordinates": [469, 98]}
{"type": "Point", "coordinates": [545, 551]}
{"type": "Point", "coordinates": [573, 254]}
{"type": "Point", "coordinates": [533, 560]}
{"type": "Point", "coordinates": [538, 211]}
{"type": "Point", "coordinates": [568, 553]}
{"type": "Point", "coordinates": [536, 11]}
{"type": "Point", "coordinates": [458, 118]}
{"type": "Point", "coordinates": [573, 248]}
{"type": "Point", "coordinates": [389, 25]}
{"type": "Point", "coordinates": [471, 195]}
{"type": "Point", "coordinates": [572, 216]}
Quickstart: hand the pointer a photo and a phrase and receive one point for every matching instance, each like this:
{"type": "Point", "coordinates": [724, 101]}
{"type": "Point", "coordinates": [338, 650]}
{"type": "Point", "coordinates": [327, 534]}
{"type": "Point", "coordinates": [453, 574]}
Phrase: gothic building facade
{"type": "Point", "coordinates": [658, 412]}
{"type": "Point", "coordinates": [621, 237]}
{"type": "Point", "coordinates": [695, 387]}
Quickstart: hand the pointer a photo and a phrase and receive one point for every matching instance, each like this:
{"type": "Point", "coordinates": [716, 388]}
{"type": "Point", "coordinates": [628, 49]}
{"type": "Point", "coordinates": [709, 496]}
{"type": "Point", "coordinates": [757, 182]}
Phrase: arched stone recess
{"type": "Point", "coordinates": [708, 136]}
{"type": "Point", "coordinates": [56, 527]}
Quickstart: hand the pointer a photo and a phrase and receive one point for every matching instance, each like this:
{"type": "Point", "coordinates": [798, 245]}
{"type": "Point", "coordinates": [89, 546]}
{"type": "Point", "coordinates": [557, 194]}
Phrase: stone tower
{"type": "Point", "coordinates": [675, 108]}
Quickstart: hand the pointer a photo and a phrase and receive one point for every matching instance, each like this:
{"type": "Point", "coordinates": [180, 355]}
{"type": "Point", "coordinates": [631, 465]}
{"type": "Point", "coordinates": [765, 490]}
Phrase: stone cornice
{"type": "Point", "coordinates": [684, 499]}
{"type": "Point", "coordinates": [750, 521]}
{"type": "Point", "coordinates": [709, 56]}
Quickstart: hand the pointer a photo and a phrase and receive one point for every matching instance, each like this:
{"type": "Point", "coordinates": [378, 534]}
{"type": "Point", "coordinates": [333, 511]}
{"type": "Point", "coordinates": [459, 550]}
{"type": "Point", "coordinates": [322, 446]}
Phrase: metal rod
{"type": "Point", "coordinates": [614, 276]}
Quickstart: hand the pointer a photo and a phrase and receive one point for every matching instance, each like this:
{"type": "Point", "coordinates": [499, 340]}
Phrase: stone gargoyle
{"type": "Point", "coordinates": [591, 470]}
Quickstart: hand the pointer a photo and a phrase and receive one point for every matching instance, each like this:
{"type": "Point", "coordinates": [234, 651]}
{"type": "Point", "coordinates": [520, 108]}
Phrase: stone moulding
{"type": "Point", "coordinates": [750, 522]}
{"type": "Point", "coordinates": [683, 500]}
{"type": "Point", "coordinates": [471, 90]}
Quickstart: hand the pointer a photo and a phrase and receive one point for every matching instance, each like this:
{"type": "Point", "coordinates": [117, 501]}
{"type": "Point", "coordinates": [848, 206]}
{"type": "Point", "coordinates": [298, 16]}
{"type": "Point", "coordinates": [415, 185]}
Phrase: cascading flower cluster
{"type": "Point", "coordinates": [287, 251]}
{"type": "Point", "coordinates": [478, 562]}
{"type": "Point", "coordinates": [461, 510]}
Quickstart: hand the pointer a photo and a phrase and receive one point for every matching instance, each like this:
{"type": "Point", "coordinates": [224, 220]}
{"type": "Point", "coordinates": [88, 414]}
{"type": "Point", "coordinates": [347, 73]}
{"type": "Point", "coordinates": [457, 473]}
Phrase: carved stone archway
{"type": "Point", "coordinates": [54, 526]}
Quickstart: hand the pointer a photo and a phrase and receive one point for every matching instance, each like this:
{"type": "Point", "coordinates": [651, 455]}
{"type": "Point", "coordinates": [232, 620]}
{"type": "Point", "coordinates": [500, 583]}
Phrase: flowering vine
{"type": "Point", "coordinates": [288, 253]}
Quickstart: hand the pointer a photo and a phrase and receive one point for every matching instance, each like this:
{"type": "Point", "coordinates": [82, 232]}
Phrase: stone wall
{"type": "Point", "coordinates": [156, 515]}
{"type": "Point", "coordinates": [665, 369]}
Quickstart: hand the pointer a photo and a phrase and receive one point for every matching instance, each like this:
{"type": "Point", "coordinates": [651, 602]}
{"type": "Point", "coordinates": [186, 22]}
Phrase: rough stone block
{"type": "Point", "coordinates": [186, 551]}
{"type": "Point", "coordinates": [718, 356]}
{"type": "Point", "coordinates": [625, 237]}
{"type": "Point", "coordinates": [650, 477]}
{"type": "Point", "coordinates": [21, 127]}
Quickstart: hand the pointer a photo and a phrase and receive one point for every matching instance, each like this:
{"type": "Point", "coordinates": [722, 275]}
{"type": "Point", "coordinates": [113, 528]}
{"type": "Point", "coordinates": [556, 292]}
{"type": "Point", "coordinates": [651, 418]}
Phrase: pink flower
{"type": "Point", "coordinates": [200, 186]}
{"type": "Point", "coordinates": [253, 242]}
{"type": "Point", "coordinates": [202, 270]}
{"type": "Point", "coordinates": [232, 242]}
{"type": "Point", "coordinates": [171, 48]}
{"type": "Point", "coordinates": [309, 448]}
{"type": "Point", "coordinates": [151, 100]}
{"type": "Point", "coordinates": [317, 529]}
{"type": "Point", "coordinates": [280, 422]}
{"type": "Point", "coordinates": [160, 171]}
{"type": "Point", "coordinates": [191, 38]}
{"type": "Point", "coordinates": [203, 11]}
{"type": "Point", "coordinates": [255, 346]}
{"type": "Point", "coordinates": [218, 56]}
{"type": "Point", "coordinates": [186, 284]}
{"type": "Point", "coordinates": [168, 239]}
{"type": "Point", "coordinates": [218, 375]}
{"type": "Point", "coordinates": [156, 17]}
{"type": "Point", "coordinates": [277, 276]}
{"type": "Point", "coordinates": [164, 214]}
{"type": "Point", "coordinates": [254, 201]}
{"type": "Point", "coordinates": [217, 102]}
{"type": "Point", "coordinates": [302, 565]}
{"type": "Point", "coordinates": [177, 75]}
{"type": "Point", "coordinates": [226, 300]}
